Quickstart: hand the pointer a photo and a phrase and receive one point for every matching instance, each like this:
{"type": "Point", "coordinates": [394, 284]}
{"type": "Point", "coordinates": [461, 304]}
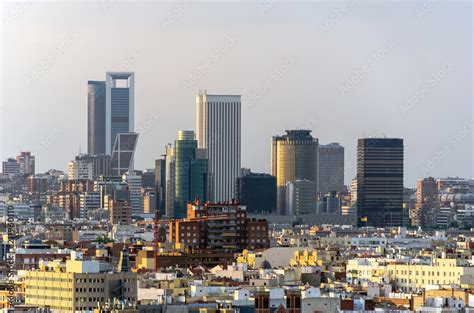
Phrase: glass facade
{"type": "Point", "coordinates": [190, 179]}
{"type": "Point", "coordinates": [380, 182]}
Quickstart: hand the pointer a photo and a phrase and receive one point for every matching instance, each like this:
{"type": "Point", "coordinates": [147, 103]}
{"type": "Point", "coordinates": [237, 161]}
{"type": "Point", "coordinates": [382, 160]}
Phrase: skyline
{"type": "Point", "coordinates": [412, 100]}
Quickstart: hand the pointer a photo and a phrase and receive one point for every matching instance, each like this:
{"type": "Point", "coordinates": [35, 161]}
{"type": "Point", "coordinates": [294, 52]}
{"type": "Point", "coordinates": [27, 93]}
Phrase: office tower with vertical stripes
{"type": "Point", "coordinates": [95, 117]}
{"type": "Point", "coordinates": [218, 125]}
{"type": "Point", "coordinates": [119, 106]}
{"type": "Point", "coordinates": [380, 182]}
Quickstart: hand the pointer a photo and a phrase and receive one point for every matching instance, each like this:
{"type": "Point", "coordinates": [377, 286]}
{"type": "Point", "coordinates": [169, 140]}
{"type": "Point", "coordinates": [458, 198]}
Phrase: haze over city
{"type": "Point", "coordinates": [345, 70]}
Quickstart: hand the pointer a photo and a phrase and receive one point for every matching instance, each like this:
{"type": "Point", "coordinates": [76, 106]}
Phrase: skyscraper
{"type": "Point", "coordinates": [123, 153]}
{"type": "Point", "coordinates": [190, 173]}
{"type": "Point", "coordinates": [119, 106]}
{"type": "Point", "coordinates": [426, 191]}
{"type": "Point", "coordinates": [294, 157]}
{"type": "Point", "coordinates": [331, 168]}
{"type": "Point", "coordinates": [160, 184]}
{"type": "Point", "coordinates": [380, 182]}
{"type": "Point", "coordinates": [96, 117]}
{"type": "Point", "coordinates": [218, 120]}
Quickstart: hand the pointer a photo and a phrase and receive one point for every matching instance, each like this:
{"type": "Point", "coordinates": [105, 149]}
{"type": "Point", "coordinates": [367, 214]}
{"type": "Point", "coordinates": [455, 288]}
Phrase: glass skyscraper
{"type": "Point", "coordinates": [95, 117]}
{"type": "Point", "coordinates": [190, 173]}
{"type": "Point", "coordinates": [380, 182]}
{"type": "Point", "coordinates": [120, 89]}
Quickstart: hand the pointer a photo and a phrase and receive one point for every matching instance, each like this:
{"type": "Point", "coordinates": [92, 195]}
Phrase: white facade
{"type": "Point", "coordinates": [218, 125]}
{"type": "Point", "coordinates": [80, 169]}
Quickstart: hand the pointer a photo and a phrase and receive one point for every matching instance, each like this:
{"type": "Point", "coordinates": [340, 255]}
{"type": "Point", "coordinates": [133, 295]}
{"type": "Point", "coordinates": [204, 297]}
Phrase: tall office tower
{"type": "Point", "coordinates": [96, 117]}
{"type": "Point", "coordinates": [218, 121]}
{"type": "Point", "coordinates": [119, 106]}
{"type": "Point", "coordinates": [301, 197]}
{"type": "Point", "coordinates": [26, 162]}
{"type": "Point", "coordinates": [169, 181]}
{"type": "Point", "coordinates": [123, 153]}
{"type": "Point", "coordinates": [426, 191]}
{"type": "Point", "coordinates": [160, 184]}
{"type": "Point", "coordinates": [380, 182]}
{"type": "Point", "coordinates": [331, 168]}
{"type": "Point", "coordinates": [134, 183]}
{"type": "Point", "coordinates": [294, 156]}
{"type": "Point", "coordinates": [257, 191]}
{"type": "Point", "coordinates": [190, 173]}
{"type": "Point", "coordinates": [10, 167]}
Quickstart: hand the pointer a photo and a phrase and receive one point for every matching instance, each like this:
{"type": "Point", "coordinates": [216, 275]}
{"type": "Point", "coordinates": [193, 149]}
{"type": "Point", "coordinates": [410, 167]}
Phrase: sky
{"type": "Point", "coordinates": [345, 70]}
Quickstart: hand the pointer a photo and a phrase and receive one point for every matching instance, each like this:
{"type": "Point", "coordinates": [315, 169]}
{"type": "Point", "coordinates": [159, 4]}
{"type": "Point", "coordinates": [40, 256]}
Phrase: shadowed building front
{"type": "Point", "coordinates": [380, 182]}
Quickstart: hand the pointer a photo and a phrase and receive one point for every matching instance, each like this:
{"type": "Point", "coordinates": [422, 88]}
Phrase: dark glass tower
{"type": "Point", "coordinates": [190, 180]}
{"type": "Point", "coordinates": [95, 117]}
{"type": "Point", "coordinates": [258, 192]}
{"type": "Point", "coordinates": [380, 182]}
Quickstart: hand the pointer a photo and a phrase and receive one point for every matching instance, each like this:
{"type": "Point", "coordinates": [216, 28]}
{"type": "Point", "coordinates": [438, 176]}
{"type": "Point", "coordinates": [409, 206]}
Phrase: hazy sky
{"type": "Point", "coordinates": [346, 70]}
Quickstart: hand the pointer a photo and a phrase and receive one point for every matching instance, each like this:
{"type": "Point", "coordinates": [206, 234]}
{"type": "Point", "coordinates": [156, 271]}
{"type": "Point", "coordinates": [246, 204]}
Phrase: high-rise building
{"type": "Point", "coordinates": [218, 125]}
{"type": "Point", "coordinates": [80, 169]}
{"type": "Point", "coordinates": [148, 178]}
{"type": "Point", "coordinates": [89, 201]}
{"type": "Point", "coordinates": [123, 153]}
{"type": "Point", "coordinates": [26, 162]}
{"type": "Point", "coordinates": [257, 191]}
{"type": "Point", "coordinates": [169, 181]}
{"type": "Point", "coordinates": [294, 157]}
{"type": "Point", "coordinates": [134, 183]}
{"type": "Point", "coordinates": [331, 168]}
{"type": "Point", "coordinates": [380, 182]}
{"type": "Point", "coordinates": [10, 167]}
{"type": "Point", "coordinates": [96, 117]}
{"type": "Point", "coordinates": [149, 201]}
{"type": "Point", "coordinates": [301, 197]}
{"type": "Point", "coordinates": [160, 184]}
{"type": "Point", "coordinates": [190, 173]}
{"type": "Point", "coordinates": [426, 191]}
{"type": "Point", "coordinates": [119, 106]}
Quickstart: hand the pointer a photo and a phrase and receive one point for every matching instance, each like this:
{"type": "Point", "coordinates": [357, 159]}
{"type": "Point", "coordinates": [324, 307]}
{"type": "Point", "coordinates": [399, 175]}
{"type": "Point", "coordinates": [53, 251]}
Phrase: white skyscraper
{"type": "Point", "coordinates": [218, 120]}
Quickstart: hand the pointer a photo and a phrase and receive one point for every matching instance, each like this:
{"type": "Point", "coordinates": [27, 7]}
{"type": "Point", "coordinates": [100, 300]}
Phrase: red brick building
{"type": "Point", "coordinates": [219, 227]}
{"type": "Point", "coordinates": [120, 212]}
